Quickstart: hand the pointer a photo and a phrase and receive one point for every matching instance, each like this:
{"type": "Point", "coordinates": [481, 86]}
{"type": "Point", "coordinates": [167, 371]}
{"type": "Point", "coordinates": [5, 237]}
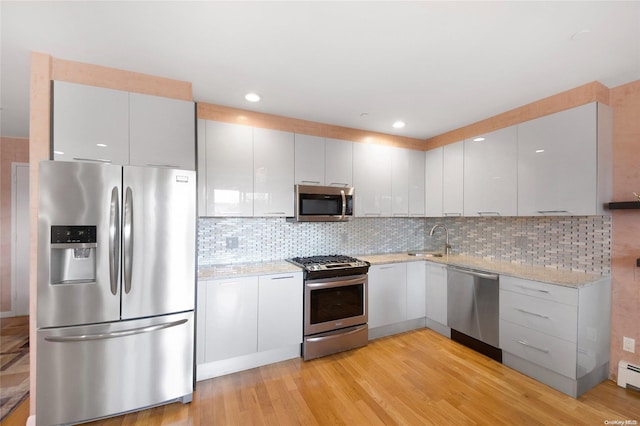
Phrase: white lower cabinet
{"type": "Point", "coordinates": [436, 292]}
{"type": "Point", "coordinates": [416, 290]}
{"type": "Point", "coordinates": [230, 318]}
{"type": "Point", "coordinates": [556, 334]}
{"type": "Point", "coordinates": [247, 322]}
{"type": "Point", "coordinates": [387, 294]}
{"type": "Point", "coordinates": [279, 311]}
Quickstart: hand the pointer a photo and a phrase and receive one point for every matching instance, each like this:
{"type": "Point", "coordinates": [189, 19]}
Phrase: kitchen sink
{"type": "Point", "coordinates": [426, 254]}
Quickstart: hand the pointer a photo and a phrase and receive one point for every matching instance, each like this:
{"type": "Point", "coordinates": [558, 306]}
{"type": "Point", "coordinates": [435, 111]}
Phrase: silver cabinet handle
{"type": "Point", "coordinates": [282, 278]}
{"type": "Point", "coordinates": [524, 311]}
{"type": "Point", "coordinates": [97, 160]}
{"type": "Point", "coordinates": [524, 287]}
{"type": "Point", "coordinates": [123, 333]}
{"type": "Point", "coordinates": [168, 166]}
{"type": "Point", "coordinates": [553, 211]}
{"type": "Point", "coordinates": [528, 345]}
{"type": "Point", "coordinates": [344, 203]}
{"type": "Point", "coordinates": [114, 239]}
{"type": "Point", "coordinates": [453, 214]}
{"type": "Point", "coordinates": [311, 181]}
{"type": "Point", "coordinates": [338, 184]}
{"type": "Point", "coordinates": [372, 214]}
{"type": "Point", "coordinates": [128, 239]}
{"type": "Point", "coordinates": [489, 213]}
{"type": "Point", "coordinates": [274, 213]}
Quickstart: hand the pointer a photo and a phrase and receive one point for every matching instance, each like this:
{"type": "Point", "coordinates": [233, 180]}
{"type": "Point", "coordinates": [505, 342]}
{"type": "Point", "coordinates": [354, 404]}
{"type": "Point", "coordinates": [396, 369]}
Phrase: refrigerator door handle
{"type": "Point", "coordinates": [114, 334]}
{"type": "Point", "coordinates": [114, 238]}
{"type": "Point", "coordinates": [128, 239]}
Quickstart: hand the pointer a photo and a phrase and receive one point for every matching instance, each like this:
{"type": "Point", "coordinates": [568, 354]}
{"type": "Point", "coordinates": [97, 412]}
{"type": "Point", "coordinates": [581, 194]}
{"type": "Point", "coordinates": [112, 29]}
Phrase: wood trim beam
{"type": "Point", "coordinates": [277, 122]}
{"type": "Point", "coordinates": [96, 75]}
{"type": "Point", "coordinates": [581, 95]}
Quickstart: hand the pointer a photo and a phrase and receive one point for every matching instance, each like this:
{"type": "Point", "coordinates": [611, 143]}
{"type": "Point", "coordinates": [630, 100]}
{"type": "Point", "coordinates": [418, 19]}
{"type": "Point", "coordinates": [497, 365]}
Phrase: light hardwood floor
{"type": "Point", "coordinates": [414, 378]}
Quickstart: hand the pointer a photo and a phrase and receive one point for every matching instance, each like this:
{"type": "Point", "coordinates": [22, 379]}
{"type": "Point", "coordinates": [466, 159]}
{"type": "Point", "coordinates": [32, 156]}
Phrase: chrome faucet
{"type": "Point", "coordinates": [447, 246]}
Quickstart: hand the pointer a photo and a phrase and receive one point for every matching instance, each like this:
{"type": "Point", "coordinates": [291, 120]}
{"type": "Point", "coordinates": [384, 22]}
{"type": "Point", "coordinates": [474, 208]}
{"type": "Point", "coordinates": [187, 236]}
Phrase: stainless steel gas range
{"type": "Point", "coordinates": [335, 304]}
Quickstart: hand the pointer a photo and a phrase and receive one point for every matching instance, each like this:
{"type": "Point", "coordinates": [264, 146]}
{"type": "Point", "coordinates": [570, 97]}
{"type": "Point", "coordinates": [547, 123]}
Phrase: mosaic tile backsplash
{"type": "Point", "coordinates": [570, 243]}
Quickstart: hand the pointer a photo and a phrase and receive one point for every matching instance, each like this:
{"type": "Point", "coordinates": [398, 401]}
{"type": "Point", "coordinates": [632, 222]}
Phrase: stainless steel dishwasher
{"type": "Point", "coordinates": [473, 309]}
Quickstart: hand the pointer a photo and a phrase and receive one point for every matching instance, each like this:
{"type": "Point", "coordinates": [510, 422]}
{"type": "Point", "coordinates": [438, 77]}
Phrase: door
{"type": "Point", "coordinates": [78, 281]}
{"type": "Point", "coordinates": [99, 370]}
{"type": "Point", "coordinates": [158, 241]}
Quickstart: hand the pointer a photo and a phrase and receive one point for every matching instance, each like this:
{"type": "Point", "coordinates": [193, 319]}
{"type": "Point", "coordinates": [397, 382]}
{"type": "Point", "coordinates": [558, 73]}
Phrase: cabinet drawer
{"type": "Point", "coordinates": [556, 293]}
{"type": "Point", "coordinates": [546, 316]}
{"type": "Point", "coordinates": [547, 351]}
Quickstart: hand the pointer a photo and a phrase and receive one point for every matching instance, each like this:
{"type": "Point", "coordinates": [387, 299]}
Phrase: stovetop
{"type": "Point", "coordinates": [330, 266]}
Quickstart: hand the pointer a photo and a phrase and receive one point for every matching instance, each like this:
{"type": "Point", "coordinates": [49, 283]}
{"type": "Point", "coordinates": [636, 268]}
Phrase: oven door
{"type": "Point", "coordinates": [334, 303]}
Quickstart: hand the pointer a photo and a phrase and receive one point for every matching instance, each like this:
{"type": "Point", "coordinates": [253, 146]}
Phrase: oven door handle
{"type": "Point", "coordinates": [344, 203]}
{"type": "Point", "coordinates": [337, 283]}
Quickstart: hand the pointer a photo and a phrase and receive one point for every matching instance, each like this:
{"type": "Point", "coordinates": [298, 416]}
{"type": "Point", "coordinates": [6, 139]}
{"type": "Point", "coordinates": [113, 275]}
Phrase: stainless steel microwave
{"type": "Point", "coordinates": [322, 204]}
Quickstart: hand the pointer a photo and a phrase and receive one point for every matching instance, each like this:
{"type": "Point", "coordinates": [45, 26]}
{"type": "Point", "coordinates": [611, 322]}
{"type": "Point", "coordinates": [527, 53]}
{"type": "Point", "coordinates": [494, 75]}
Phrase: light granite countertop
{"type": "Point", "coordinates": [536, 273]}
{"type": "Point", "coordinates": [529, 272]}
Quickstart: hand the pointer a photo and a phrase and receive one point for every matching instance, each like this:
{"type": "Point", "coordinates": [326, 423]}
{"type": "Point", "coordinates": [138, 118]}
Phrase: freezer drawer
{"type": "Point", "coordinates": [93, 371]}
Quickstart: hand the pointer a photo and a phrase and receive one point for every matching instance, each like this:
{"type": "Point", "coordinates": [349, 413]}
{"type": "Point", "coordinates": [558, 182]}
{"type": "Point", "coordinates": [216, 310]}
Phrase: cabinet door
{"type": "Point", "coordinates": [433, 166]}
{"type": "Point", "coordinates": [338, 167]}
{"type": "Point", "coordinates": [400, 181]}
{"type": "Point", "coordinates": [273, 158]}
{"type": "Point", "coordinates": [436, 293]}
{"type": "Point", "coordinates": [229, 169]}
{"type": "Point", "coordinates": [557, 163]}
{"type": "Point", "coordinates": [309, 160]}
{"type": "Point", "coordinates": [491, 174]}
{"type": "Point", "coordinates": [202, 167]}
{"type": "Point", "coordinates": [90, 124]}
{"type": "Point", "coordinates": [452, 179]}
{"type": "Point", "coordinates": [416, 290]}
{"type": "Point", "coordinates": [280, 301]}
{"type": "Point", "coordinates": [162, 132]}
{"type": "Point", "coordinates": [387, 294]}
{"type": "Point", "coordinates": [416, 183]}
{"type": "Point", "coordinates": [372, 179]}
{"type": "Point", "coordinates": [231, 318]}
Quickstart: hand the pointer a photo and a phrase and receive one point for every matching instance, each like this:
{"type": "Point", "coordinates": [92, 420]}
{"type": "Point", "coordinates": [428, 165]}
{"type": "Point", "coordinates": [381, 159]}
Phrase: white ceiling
{"type": "Point", "coordinates": [435, 65]}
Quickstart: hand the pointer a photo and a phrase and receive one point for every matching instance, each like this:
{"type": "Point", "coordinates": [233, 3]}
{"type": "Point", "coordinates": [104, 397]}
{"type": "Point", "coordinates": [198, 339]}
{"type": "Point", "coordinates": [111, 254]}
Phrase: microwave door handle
{"type": "Point", "coordinates": [344, 204]}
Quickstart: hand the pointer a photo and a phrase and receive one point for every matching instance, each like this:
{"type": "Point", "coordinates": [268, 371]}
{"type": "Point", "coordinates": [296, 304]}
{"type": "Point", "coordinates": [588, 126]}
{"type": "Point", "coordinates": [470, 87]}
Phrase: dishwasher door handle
{"type": "Point", "coordinates": [486, 275]}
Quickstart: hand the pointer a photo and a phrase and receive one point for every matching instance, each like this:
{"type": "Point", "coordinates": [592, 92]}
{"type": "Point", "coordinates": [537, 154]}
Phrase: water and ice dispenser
{"type": "Point", "coordinates": [73, 254]}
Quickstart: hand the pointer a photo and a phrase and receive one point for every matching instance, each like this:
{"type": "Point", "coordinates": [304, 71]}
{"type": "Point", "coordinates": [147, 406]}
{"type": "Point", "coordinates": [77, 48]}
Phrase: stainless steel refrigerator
{"type": "Point", "coordinates": [116, 289]}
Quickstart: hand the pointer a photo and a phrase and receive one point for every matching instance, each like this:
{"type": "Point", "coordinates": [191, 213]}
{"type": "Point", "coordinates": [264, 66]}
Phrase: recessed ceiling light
{"type": "Point", "coordinates": [538, 151]}
{"type": "Point", "coordinates": [252, 97]}
{"type": "Point", "coordinates": [478, 139]}
{"type": "Point", "coordinates": [398, 125]}
{"type": "Point", "coordinates": [101, 145]}
{"type": "Point", "coordinates": [58, 152]}
{"type": "Point", "coordinates": [580, 34]}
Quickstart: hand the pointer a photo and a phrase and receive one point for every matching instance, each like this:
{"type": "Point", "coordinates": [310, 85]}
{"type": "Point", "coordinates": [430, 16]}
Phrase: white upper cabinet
{"type": "Point", "coordinates": [452, 179]}
{"type": "Point", "coordinates": [112, 126]}
{"type": "Point", "coordinates": [491, 174]}
{"type": "Point", "coordinates": [273, 158]}
{"type": "Point", "coordinates": [400, 182]}
{"type": "Point", "coordinates": [416, 183]}
{"type": "Point", "coordinates": [229, 169]}
{"type": "Point", "coordinates": [338, 170]}
{"type": "Point", "coordinates": [161, 132]}
{"type": "Point", "coordinates": [90, 123]}
{"type": "Point", "coordinates": [320, 161]}
{"type": "Point", "coordinates": [309, 160]}
{"type": "Point", "coordinates": [433, 182]}
{"type": "Point", "coordinates": [564, 162]}
{"type": "Point", "coordinates": [372, 180]}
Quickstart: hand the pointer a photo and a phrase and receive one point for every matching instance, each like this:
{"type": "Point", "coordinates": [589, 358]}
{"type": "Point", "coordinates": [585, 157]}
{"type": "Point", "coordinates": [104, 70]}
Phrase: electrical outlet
{"type": "Point", "coordinates": [629, 344]}
{"type": "Point", "coordinates": [232, 242]}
